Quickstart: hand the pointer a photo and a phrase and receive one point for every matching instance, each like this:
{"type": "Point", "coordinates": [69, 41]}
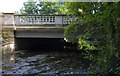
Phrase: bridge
{"type": "Point", "coordinates": [34, 28]}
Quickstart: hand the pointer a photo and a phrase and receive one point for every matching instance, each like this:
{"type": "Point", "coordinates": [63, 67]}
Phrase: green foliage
{"type": "Point", "coordinates": [42, 8]}
{"type": "Point", "coordinates": [49, 7]}
{"type": "Point", "coordinates": [63, 9]}
{"type": "Point", "coordinates": [5, 37]}
{"type": "Point", "coordinates": [70, 32]}
{"type": "Point", "coordinates": [29, 8]}
{"type": "Point", "coordinates": [86, 45]}
{"type": "Point", "coordinates": [100, 27]}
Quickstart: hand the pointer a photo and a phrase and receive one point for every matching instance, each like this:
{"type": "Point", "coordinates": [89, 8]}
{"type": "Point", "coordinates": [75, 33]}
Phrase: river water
{"type": "Point", "coordinates": [66, 61]}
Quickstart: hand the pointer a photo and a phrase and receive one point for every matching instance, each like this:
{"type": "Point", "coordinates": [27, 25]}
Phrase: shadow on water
{"type": "Point", "coordinates": [64, 61]}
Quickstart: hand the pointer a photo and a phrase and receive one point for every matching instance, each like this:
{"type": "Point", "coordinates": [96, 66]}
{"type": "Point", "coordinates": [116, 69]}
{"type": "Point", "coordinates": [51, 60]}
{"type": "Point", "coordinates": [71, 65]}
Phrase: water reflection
{"type": "Point", "coordinates": [41, 61]}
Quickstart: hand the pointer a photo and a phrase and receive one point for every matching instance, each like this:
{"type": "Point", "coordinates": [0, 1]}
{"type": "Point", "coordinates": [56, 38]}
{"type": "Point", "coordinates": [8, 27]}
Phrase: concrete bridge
{"type": "Point", "coordinates": [36, 29]}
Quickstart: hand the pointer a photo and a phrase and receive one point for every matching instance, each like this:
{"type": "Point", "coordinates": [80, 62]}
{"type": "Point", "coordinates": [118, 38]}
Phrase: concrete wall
{"type": "Point", "coordinates": [42, 32]}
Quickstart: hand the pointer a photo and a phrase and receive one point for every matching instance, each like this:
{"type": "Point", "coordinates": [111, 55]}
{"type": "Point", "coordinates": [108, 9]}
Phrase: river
{"type": "Point", "coordinates": [66, 61]}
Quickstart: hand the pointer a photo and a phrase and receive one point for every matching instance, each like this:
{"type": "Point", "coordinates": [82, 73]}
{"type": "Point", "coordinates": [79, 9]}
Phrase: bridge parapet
{"type": "Point", "coordinates": [11, 18]}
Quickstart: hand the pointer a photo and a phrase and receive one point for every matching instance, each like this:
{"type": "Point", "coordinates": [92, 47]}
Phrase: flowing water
{"type": "Point", "coordinates": [66, 61]}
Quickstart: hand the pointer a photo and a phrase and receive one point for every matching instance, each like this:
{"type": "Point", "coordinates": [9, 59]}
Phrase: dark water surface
{"type": "Point", "coordinates": [67, 61]}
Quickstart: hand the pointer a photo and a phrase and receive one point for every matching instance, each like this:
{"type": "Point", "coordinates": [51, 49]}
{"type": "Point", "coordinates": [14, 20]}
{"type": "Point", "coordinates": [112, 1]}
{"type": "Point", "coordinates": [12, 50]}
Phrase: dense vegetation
{"type": "Point", "coordinates": [99, 30]}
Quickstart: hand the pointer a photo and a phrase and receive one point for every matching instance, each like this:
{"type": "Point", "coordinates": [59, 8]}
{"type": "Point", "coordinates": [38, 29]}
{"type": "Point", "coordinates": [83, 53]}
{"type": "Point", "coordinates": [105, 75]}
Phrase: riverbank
{"type": "Point", "coordinates": [7, 37]}
{"type": "Point", "coordinates": [37, 62]}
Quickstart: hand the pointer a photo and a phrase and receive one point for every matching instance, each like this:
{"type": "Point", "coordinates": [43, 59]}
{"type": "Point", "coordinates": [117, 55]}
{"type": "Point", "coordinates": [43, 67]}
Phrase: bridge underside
{"type": "Point", "coordinates": [38, 43]}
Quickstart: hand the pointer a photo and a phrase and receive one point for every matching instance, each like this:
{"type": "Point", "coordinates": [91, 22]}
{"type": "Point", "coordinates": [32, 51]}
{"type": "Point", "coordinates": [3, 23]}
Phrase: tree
{"type": "Point", "coordinates": [100, 27]}
{"type": "Point", "coordinates": [49, 8]}
{"type": "Point", "coordinates": [29, 8]}
{"type": "Point", "coordinates": [46, 8]}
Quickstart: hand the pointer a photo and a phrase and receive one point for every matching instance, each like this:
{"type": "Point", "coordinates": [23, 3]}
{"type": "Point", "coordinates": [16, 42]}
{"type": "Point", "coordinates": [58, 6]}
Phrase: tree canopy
{"type": "Point", "coordinates": [100, 31]}
{"type": "Point", "coordinates": [41, 8]}
{"type": "Point", "coordinates": [29, 8]}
